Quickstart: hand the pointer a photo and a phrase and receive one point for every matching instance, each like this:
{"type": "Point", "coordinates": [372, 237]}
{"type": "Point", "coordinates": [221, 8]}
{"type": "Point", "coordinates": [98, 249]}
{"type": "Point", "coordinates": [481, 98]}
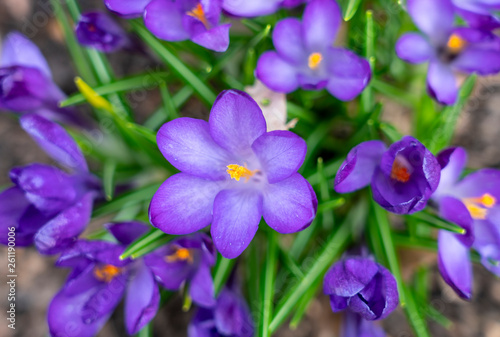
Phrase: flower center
{"type": "Point", "coordinates": [198, 13]}
{"type": "Point", "coordinates": [180, 254]}
{"type": "Point", "coordinates": [107, 272]}
{"type": "Point", "coordinates": [455, 44]}
{"type": "Point", "coordinates": [237, 171]}
{"type": "Point", "coordinates": [478, 207]}
{"type": "Point", "coordinates": [315, 60]}
{"type": "Point", "coordinates": [400, 171]}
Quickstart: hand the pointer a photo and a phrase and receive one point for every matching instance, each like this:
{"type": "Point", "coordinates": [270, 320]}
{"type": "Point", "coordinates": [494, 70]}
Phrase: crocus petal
{"type": "Point", "coordinates": [433, 17]}
{"type": "Point", "coordinates": [164, 20]}
{"type": "Point", "coordinates": [232, 315]}
{"type": "Point", "coordinates": [105, 252]}
{"type": "Point", "coordinates": [187, 144]}
{"type": "Point", "coordinates": [65, 316]}
{"type": "Point", "coordinates": [127, 8]}
{"type": "Point", "coordinates": [236, 217]}
{"type": "Point", "coordinates": [105, 299]}
{"type": "Point", "coordinates": [55, 140]}
{"type": "Point", "coordinates": [183, 204]}
{"type": "Point", "coordinates": [441, 83]}
{"type": "Point", "coordinates": [348, 277]}
{"type": "Point", "coordinates": [454, 210]}
{"type": "Point", "coordinates": [99, 31]}
{"type": "Point", "coordinates": [454, 264]}
{"type": "Point", "coordinates": [338, 303]}
{"type": "Point", "coordinates": [287, 39]}
{"type": "Point", "coordinates": [201, 288]}
{"type": "Point", "coordinates": [289, 205]}
{"type": "Point", "coordinates": [484, 62]}
{"type": "Point", "coordinates": [171, 275]}
{"type": "Point", "coordinates": [47, 187]}
{"type": "Point", "coordinates": [413, 48]}
{"type": "Point", "coordinates": [19, 51]}
{"type": "Point", "coordinates": [452, 161]}
{"type": "Point", "coordinates": [65, 227]}
{"type": "Point", "coordinates": [236, 121]}
{"type": "Point", "coordinates": [357, 170]}
{"type": "Point", "coordinates": [216, 39]}
{"type": "Point", "coordinates": [479, 183]}
{"type": "Point", "coordinates": [245, 8]}
{"type": "Point", "coordinates": [321, 21]}
{"type": "Point", "coordinates": [276, 73]}
{"type": "Point", "coordinates": [127, 232]}
{"type": "Point", "coordinates": [13, 204]}
{"type": "Point", "coordinates": [142, 301]}
{"type": "Point", "coordinates": [281, 153]}
{"type": "Point", "coordinates": [349, 73]}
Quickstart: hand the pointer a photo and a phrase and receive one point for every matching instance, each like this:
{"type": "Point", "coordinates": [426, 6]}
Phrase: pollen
{"type": "Point", "coordinates": [315, 60]}
{"type": "Point", "coordinates": [455, 43]}
{"type": "Point", "coordinates": [399, 172]}
{"type": "Point", "coordinates": [198, 13]}
{"type": "Point", "coordinates": [107, 272]}
{"type": "Point", "coordinates": [478, 207]}
{"type": "Point", "coordinates": [237, 172]}
{"type": "Point", "coordinates": [180, 254]}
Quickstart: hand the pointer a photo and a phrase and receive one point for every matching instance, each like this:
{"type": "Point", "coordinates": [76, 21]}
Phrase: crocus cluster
{"type": "Point", "coordinates": [447, 48]}
{"type": "Point", "coordinates": [471, 203]}
{"type": "Point", "coordinates": [233, 172]}
{"type": "Point", "coordinates": [26, 84]}
{"type": "Point", "coordinates": [402, 177]}
{"type": "Point", "coordinates": [362, 286]}
{"type": "Point", "coordinates": [99, 31]}
{"type": "Point", "coordinates": [179, 20]}
{"type": "Point", "coordinates": [46, 205]}
{"type": "Point", "coordinates": [305, 56]}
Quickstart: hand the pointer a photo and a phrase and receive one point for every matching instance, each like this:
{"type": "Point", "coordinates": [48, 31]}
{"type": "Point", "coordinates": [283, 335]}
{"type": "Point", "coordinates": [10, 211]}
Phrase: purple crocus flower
{"type": "Point", "coordinates": [99, 31]}
{"type": "Point", "coordinates": [356, 326]}
{"type": "Point", "coordinates": [243, 8]}
{"type": "Point", "coordinates": [233, 172]}
{"type": "Point", "coordinates": [402, 177]}
{"type": "Point", "coordinates": [484, 7]}
{"type": "Point", "coordinates": [305, 57]}
{"type": "Point", "coordinates": [186, 259]}
{"type": "Point", "coordinates": [99, 281]}
{"type": "Point", "coordinates": [230, 317]}
{"type": "Point", "coordinates": [179, 20]}
{"type": "Point", "coordinates": [472, 203]}
{"type": "Point", "coordinates": [448, 49]}
{"type": "Point", "coordinates": [26, 84]}
{"type": "Point", "coordinates": [46, 205]}
{"type": "Point", "coordinates": [362, 286]}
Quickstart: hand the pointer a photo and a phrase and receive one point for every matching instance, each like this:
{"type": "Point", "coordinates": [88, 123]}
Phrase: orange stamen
{"type": "Point", "coordinates": [478, 207]}
{"type": "Point", "coordinates": [180, 254]}
{"type": "Point", "coordinates": [315, 60]}
{"type": "Point", "coordinates": [237, 171]}
{"type": "Point", "coordinates": [399, 172]}
{"type": "Point", "coordinates": [198, 13]}
{"type": "Point", "coordinates": [107, 272]}
{"type": "Point", "coordinates": [456, 44]}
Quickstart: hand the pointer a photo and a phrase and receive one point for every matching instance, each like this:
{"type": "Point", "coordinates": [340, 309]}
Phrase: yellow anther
{"type": "Point", "coordinates": [314, 60]}
{"type": "Point", "coordinates": [478, 207]}
{"type": "Point", "coordinates": [180, 254]}
{"type": "Point", "coordinates": [198, 13]}
{"type": "Point", "coordinates": [237, 171]}
{"type": "Point", "coordinates": [456, 43]}
{"type": "Point", "coordinates": [107, 272]}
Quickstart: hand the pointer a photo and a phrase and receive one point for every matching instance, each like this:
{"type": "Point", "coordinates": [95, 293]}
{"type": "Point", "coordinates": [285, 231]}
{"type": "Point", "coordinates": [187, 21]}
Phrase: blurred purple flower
{"type": "Point", "coordinates": [362, 286]}
{"type": "Point", "coordinates": [99, 281]}
{"type": "Point", "coordinates": [233, 172]}
{"type": "Point", "coordinates": [230, 317]}
{"type": "Point", "coordinates": [356, 326]}
{"type": "Point", "coordinates": [186, 259]}
{"type": "Point", "coordinates": [402, 177]}
{"type": "Point", "coordinates": [446, 48]}
{"type": "Point", "coordinates": [244, 8]}
{"type": "Point", "coordinates": [26, 84]}
{"type": "Point", "coordinates": [46, 205]}
{"type": "Point", "coordinates": [99, 31]}
{"type": "Point", "coordinates": [484, 7]}
{"type": "Point", "coordinates": [471, 203]}
{"type": "Point", "coordinates": [305, 57]}
{"type": "Point", "coordinates": [179, 20]}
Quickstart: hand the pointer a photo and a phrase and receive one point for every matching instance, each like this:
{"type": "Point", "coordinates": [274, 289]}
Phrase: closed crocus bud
{"type": "Point", "coordinates": [99, 31]}
{"type": "Point", "coordinates": [362, 286]}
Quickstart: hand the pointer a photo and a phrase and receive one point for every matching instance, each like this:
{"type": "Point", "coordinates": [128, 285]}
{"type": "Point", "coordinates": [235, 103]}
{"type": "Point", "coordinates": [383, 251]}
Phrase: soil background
{"type": "Point", "coordinates": [38, 280]}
